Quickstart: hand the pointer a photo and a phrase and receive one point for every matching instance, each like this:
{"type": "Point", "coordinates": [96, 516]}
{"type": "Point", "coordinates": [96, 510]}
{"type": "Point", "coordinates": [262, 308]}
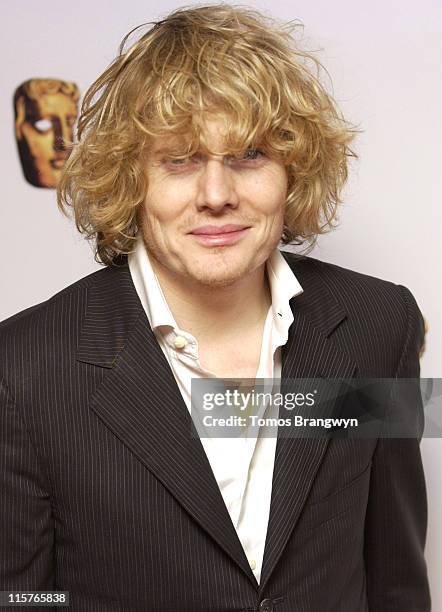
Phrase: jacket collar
{"type": "Point", "coordinates": [113, 302]}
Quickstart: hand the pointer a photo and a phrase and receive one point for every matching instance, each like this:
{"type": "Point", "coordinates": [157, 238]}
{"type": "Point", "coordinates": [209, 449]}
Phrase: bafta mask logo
{"type": "Point", "coordinates": [45, 114]}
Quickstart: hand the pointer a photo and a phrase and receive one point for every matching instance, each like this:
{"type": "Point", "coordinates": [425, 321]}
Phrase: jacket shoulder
{"type": "Point", "coordinates": [305, 266]}
{"type": "Point", "coordinates": [354, 290]}
{"type": "Point", "coordinates": [27, 315]}
{"type": "Point", "coordinates": [57, 318]}
{"type": "Point", "coordinates": [381, 314]}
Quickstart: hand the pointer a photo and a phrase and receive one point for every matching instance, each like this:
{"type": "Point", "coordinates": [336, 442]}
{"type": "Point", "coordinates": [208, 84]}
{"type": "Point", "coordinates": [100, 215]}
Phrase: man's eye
{"type": "Point", "coordinates": [178, 161]}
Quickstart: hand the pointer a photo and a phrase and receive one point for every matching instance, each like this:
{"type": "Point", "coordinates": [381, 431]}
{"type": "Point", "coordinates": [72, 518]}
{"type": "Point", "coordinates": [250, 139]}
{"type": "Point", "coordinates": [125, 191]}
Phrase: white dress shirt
{"type": "Point", "coordinates": [243, 467]}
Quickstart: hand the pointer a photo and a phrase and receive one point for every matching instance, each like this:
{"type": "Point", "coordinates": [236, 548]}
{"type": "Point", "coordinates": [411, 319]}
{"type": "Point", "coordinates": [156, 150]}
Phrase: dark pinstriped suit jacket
{"type": "Point", "coordinates": [105, 493]}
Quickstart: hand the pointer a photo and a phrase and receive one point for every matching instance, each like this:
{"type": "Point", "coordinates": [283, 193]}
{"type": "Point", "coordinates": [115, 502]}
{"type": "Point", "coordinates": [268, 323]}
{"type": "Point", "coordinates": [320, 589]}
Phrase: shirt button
{"type": "Point", "coordinates": [252, 564]}
{"type": "Point", "coordinates": [266, 605]}
{"type": "Point", "coordinates": [179, 342]}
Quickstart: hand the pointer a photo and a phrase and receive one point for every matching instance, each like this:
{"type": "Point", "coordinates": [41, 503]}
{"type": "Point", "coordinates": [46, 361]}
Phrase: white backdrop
{"type": "Point", "coordinates": [385, 59]}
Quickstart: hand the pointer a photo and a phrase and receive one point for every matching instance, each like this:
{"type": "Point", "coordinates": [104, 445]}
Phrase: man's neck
{"type": "Point", "coordinates": [209, 311]}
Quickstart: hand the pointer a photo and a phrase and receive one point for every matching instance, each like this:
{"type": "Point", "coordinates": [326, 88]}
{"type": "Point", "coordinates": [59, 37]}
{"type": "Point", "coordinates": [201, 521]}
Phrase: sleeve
{"type": "Point", "coordinates": [26, 524]}
{"type": "Point", "coordinates": [396, 519]}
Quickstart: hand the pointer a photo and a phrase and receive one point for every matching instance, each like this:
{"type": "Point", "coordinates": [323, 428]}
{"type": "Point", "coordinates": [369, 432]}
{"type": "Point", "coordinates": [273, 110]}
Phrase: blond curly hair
{"type": "Point", "coordinates": [222, 58]}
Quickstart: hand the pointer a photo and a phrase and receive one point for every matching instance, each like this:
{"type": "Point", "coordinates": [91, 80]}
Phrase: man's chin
{"type": "Point", "coordinates": [219, 275]}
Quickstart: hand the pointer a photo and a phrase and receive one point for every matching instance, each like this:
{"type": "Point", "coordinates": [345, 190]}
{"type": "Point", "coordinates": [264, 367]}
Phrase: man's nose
{"type": "Point", "coordinates": [217, 185]}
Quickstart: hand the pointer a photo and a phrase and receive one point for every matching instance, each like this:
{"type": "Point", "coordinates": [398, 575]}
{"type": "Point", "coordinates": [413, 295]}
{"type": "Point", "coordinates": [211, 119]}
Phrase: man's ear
{"type": "Point", "coordinates": [21, 116]}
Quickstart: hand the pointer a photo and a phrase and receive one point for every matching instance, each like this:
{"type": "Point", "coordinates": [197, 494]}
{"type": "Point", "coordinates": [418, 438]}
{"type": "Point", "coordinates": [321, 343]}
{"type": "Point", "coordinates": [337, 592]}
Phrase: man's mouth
{"type": "Point", "coordinates": [219, 235]}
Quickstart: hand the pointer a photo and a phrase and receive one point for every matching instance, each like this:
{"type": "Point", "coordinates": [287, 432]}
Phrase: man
{"type": "Point", "coordinates": [45, 115]}
{"type": "Point", "coordinates": [200, 148]}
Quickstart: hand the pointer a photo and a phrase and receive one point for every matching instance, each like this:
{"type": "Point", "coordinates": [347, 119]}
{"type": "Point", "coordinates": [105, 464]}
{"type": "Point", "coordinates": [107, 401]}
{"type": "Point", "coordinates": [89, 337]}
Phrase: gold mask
{"type": "Point", "coordinates": [45, 114]}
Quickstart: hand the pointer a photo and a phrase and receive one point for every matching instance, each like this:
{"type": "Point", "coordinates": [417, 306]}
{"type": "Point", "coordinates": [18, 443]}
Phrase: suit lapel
{"type": "Point", "coordinates": [309, 353]}
{"type": "Point", "coordinates": [140, 402]}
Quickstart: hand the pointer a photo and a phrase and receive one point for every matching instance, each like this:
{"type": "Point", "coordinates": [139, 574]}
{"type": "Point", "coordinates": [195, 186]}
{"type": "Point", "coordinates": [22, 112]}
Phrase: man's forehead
{"type": "Point", "coordinates": [163, 144]}
{"type": "Point", "coordinates": [211, 128]}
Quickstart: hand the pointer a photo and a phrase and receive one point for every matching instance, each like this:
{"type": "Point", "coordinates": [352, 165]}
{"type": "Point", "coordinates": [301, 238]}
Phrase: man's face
{"type": "Point", "coordinates": [189, 200]}
{"type": "Point", "coordinates": [45, 130]}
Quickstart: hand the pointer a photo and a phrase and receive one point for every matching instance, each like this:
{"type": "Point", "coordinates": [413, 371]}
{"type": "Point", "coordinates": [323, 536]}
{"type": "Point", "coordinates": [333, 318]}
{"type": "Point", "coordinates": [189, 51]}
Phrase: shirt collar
{"type": "Point", "coordinates": [282, 282]}
{"type": "Point", "coordinates": [148, 287]}
{"type": "Point", "coordinates": [283, 286]}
